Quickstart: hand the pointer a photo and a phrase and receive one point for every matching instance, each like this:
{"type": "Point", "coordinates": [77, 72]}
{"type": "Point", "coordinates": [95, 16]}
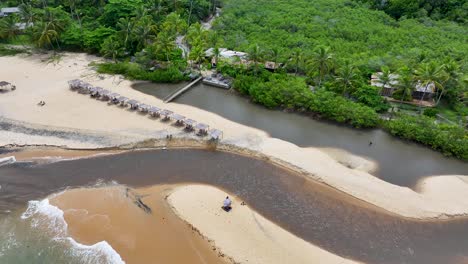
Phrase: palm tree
{"type": "Point", "coordinates": [322, 60]}
{"type": "Point", "coordinates": [405, 82]}
{"type": "Point", "coordinates": [346, 77]}
{"type": "Point", "coordinates": [9, 28]}
{"type": "Point", "coordinates": [111, 48]}
{"type": "Point", "coordinates": [27, 13]}
{"type": "Point", "coordinates": [46, 35]}
{"type": "Point", "coordinates": [144, 31]}
{"type": "Point", "coordinates": [216, 53]}
{"type": "Point", "coordinates": [125, 26]}
{"type": "Point", "coordinates": [255, 55]}
{"type": "Point", "coordinates": [384, 78]}
{"type": "Point", "coordinates": [297, 59]}
{"type": "Point", "coordinates": [451, 76]}
{"type": "Point", "coordinates": [165, 43]}
{"type": "Point", "coordinates": [275, 54]}
{"type": "Point", "coordinates": [428, 74]}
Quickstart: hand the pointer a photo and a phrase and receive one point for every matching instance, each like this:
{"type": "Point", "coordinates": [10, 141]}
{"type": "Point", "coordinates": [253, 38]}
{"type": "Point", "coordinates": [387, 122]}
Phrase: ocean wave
{"type": "Point", "coordinates": [43, 214]}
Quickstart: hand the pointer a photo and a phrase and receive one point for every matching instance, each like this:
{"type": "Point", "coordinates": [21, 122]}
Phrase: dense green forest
{"type": "Point", "coordinates": [328, 50]}
{"type": "Point", "coordinates": [455, 10]}
{"type": "Point", "coordinates": [117, 29]}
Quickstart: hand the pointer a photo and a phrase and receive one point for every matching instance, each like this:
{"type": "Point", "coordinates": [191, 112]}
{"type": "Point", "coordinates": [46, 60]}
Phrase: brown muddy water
{"type": "Point", "coordinates": [314, 212]}
{"type": "Point", "coordinates": [401, 163]}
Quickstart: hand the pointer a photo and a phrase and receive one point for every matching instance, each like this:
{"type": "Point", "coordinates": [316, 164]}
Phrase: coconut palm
{"type": "Point", "coordinates": [384, 78]}
{"type": "Point", "coordinates": [144, 31]}
{"type": "Point", "coordinates": [255, 55]}
{"type": "Point", "coordinates": [9, 27]}
{"type": "Point", "coordinates": [275, 54]}
{"type": "Point", "coordinates": [111, 48]}
{"type": "Point", "coordinates": [405, 83]}
{"type": "Point", "coordinates": [346, 77]}
{"type": "Point", "coordinates": [297, 59]}
{"type": "Point", "coordinates": [125, 26]}
{"type": "Point", "coordinates": [451, 75]}
{"type": "Point", "coordinates": [27, 13]}
{"type": "Point", "coordinates": [428, 74]}
{"type": "Point", "coordinates": [322, 61]}
{"type": "Point", "coordinates": [46, 35]}
{"type": "Point", "coordinates": [165, 43]}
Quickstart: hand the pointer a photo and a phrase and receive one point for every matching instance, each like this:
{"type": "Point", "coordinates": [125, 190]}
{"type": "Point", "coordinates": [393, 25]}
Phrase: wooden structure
{"type": "Point", "coordinates": [165, 114]}
{"type": "Point", "coordinates": [181, 90]}
{"type": "Point", "coordinates": [133, 104]}
{"type": "Point", "coordinates": [154, 111]}
{"type": "Point", "coordinates": [189, 124]}
{"type": "Point", "coordinates": [122, 100]}
{"type": "Point", "coordinates": [215, 134]}
{"type": "Point", "coordinates": [115, 98]}
{"type": "Point", "coordinates": [202, 129]}
{"type": "Point", "coordinates": [178, 118]}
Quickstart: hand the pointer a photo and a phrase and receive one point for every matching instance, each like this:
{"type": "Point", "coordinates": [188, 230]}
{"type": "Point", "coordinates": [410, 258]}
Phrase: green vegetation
{"type": "Point", "coordinates": [449, 139]}
{"type": "Point", "coordinates": [134, 71]}
{"type": "Point", "coordinates": [117, 29]}
{"type": "Point", "coordinates": [328, 48]}
{"type": "Point", "coordinates": [452, 10]}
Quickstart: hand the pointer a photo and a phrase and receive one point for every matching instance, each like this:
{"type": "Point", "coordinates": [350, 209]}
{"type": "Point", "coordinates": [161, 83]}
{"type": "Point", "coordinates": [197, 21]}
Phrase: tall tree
{"type": "Point", "coordinates": [427, 75]}
{"type": "Point", "coordinates": [322, 60]}
{"type": "Point", "coordinates": [384, 78]}
{"type": "Point", "coordinates": [297, 59]}
{"type": "Point", "coordinates": [346, 77]}
{"type": "Point", "coordinates": [255, 55]}
{"type": "Point", "coordinates": [9, 27]}
{"type": "Point", "coordinates": [165, 43]}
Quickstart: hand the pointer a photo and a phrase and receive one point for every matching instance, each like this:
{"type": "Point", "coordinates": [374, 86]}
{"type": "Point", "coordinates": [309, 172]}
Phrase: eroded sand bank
{"type": "Point", "coordinates": [38, 80]}
{"type": "Point", "coordinates": [243, 234]}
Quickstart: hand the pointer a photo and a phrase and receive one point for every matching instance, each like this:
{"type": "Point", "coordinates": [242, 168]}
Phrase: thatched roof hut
{"type": "Point", "coordinates": [215, 134]}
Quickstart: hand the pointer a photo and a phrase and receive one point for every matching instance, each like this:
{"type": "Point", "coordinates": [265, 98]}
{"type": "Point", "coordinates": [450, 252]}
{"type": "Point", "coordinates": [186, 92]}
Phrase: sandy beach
{"type": "Point", "coordinates": [37, 80]}
{"type": "Point", "coordinates": [243, 234]}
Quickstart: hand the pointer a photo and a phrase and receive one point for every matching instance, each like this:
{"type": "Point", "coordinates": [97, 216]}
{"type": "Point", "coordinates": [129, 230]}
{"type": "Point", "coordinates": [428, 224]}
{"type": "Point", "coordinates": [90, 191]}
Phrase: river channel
{"type": "Point", "coordinates": [327, 218]}
{"type": "Point", "coordinates": [400, 162]}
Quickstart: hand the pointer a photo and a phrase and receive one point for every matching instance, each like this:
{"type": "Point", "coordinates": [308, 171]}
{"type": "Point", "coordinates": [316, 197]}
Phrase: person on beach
{"type": "Point", "coordinates": [227, 204]}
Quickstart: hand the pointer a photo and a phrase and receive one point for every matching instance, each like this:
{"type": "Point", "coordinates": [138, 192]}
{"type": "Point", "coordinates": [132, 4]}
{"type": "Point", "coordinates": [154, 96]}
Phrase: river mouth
{"type": "Point", "coordinates": [399, 162]}
{"type": "Point", "coordinates": [319, 214]}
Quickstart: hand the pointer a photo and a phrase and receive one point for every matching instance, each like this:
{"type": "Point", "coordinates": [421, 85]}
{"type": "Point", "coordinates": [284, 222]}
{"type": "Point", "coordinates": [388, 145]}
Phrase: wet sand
{"type": "Point", "coordinates": [117, 215]}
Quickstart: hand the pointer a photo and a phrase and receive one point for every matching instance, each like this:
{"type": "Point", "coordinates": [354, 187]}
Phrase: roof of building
{"type": "Point", "coordinates": [215, 133]}
{"type": "Point", "coordinates": [201, 126]}
{"type": "Point", "coordinates": [10, 10]}
{"type": "Point", "coordinates": [190, 122]}
{"type": "Point", "coordinates": [177, 117]}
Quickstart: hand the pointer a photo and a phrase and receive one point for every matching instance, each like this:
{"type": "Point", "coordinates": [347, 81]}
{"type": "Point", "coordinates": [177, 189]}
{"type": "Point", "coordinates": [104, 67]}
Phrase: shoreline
{"type": "Point", "coordinates": [71, 111]}
{"type": "Point", "coordinates": [160, 144]}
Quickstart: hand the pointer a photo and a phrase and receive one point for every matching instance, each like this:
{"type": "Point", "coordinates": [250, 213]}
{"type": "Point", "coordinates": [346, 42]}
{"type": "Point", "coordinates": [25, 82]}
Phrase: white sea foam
{"type": "Point", "coordinates": [43, 214]}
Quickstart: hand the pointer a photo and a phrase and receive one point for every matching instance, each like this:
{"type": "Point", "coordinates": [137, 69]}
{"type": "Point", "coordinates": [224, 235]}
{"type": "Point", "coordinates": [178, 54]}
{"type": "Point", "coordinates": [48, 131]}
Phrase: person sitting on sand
{"type": "Point", "coordinates": [41, 103]}
{"type": "Point", "coordinates": [227, 204]}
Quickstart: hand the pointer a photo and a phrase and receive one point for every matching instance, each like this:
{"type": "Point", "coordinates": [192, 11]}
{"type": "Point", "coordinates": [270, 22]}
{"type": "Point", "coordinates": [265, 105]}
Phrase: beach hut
{"type": "Point", "coordinates": [154, 111]}
{"type": "Point", "coordinates": [104, 94]}
{"type": "Point", "coordinates": [178, 118]}
{"type": "Point", "coordinates": [189, 124]}
{"type": "Point", "coordinates": [144, 108]}
{"type": "Point", "coordinates": [74, 84]}
{"type": "Point", "coordinates": [165, 114]}
{"type": "Point", "coordinates": [122, 100]}
{"type": "Point", "coordinates": [202, 129]}
{"type": "Point", "coordinates": [215, 134]}
{"type": "Point", "coordinates": [114, 98]}
{"type": "Point", "coordinates": [133, 104]}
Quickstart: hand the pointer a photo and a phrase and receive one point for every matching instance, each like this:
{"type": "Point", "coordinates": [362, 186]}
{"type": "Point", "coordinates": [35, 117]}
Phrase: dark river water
{"type": "Point", "coordinates": [401, 163]}
{"type": "Point", "coordinates": [321, 215]}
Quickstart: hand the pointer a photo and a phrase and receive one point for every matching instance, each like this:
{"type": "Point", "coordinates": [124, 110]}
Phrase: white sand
{"type": "Point", "coordinates": [37, 81]}
{"type": "Point", "coordinates": [243, 234]}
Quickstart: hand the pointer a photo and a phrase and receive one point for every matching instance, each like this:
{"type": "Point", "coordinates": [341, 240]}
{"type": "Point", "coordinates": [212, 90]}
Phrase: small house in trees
{"type": "Point", "coordinates": [6, 11]}
{"type": "Point", "coordinates": [387, 89]}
